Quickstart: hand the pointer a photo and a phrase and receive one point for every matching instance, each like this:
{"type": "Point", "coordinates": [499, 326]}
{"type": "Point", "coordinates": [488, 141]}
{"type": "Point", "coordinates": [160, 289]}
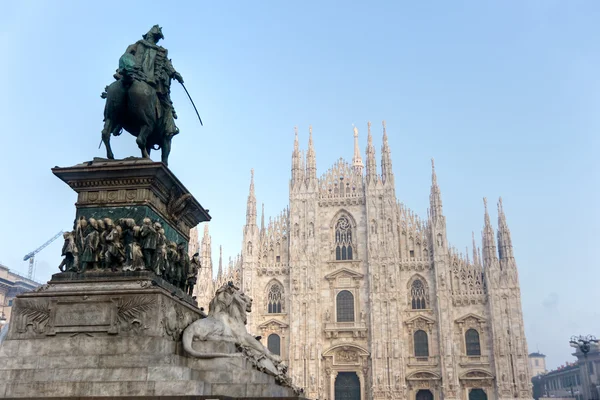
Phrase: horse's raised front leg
{"type": "Point", "coordinates": [106, 138]}
{"type": "Point", "coordinates": [142, 139]}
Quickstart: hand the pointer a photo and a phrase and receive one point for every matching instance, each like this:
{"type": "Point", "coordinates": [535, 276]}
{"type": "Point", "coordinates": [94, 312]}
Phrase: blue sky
{"type": "Point", "coordinates": [504, 94]}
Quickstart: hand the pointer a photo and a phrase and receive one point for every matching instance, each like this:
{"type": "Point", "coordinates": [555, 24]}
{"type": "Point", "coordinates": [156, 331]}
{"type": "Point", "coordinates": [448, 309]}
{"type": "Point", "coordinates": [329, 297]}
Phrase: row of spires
{"type": "Point", "coordinates": [305, 170]}
{"type": "Point", "coordinates": [206, 256]}
{"type": "Point", "coordinates": [505, 250]}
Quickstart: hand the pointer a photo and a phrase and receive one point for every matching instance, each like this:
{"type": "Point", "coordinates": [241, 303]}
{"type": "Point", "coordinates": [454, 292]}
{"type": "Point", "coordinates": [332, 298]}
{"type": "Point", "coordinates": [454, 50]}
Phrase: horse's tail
{"type": "Point", "coordinates": [188, 338]}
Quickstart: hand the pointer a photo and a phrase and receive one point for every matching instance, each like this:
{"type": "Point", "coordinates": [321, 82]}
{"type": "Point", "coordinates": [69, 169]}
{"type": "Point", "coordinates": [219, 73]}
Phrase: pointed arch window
{"type": "Point", "coordinates": [275, 299]}
{"type": "Point", "coordinates": [472, 343]}
{"type": "Point", "coordinates": [345, 306]}
{"type": "Point", "coordinates": [421, 344]}
{"type": "Point", "coordinates": [418, 295]}
{"type": "Point", "coordinates": [343, 239]}
{"type": "Point", "coordinates": [274, 344]}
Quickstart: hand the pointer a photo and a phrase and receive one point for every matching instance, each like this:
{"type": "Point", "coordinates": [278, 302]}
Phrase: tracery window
{"type": "Point", "coordinates": [472, 343]}
{"type": "Point", "coordinates": [345, 306]}
{"type": "Point", "coordinates": [275, 299]}
{"type": "Point", "coordinates": [274, 344]}
{"type": "Point", "coordinates": [343, 239]}
{"type": "Point", "coordinates": [421, 344]}
{"type": "Point", "coordinates": [418, 295]}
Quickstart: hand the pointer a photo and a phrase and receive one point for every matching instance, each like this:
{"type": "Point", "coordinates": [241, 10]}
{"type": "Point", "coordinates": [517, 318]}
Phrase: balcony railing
{"type": "Point", "coordinates": [333, 329]}
{"type": "Point", "coordinates": [430, 361]}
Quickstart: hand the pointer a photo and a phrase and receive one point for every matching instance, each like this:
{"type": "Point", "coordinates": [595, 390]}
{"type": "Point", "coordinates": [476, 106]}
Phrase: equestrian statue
{"type": "Point", "coordinates": [139, 100]}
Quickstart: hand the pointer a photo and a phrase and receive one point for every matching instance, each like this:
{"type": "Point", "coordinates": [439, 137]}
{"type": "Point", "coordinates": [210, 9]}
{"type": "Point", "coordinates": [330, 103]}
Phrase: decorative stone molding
{"type": "Point", "coordinates": [133, 187]}
{"type": "Point", "coordinates": [344, 273]}
{"type": "Point", "coordinates": [423, 380]}
{"type": "Point", "coordinates": [474, 361]}
{"type": "Point", "coordinates": [416, 362]}
{"type": "Point", "coordinates": [420, 322]}
{"type": "Point", "coordinates": [471, 321]}
{"type": "Point", "coordinates": [346, 357]}
{"type": "Point", "coordinates": [477, 378]}
{"type": "Point", "coordinates": [333, 330]}
{"type": "Point", "coordinates": [273, 326]}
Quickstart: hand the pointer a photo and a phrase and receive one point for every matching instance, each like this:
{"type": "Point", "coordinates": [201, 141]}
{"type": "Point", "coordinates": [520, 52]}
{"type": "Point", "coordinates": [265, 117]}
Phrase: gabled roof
{"type": "Point", "coordinates": [536, 354]}
{"type": "Point", "coordinates": [418, 317]}
{"type": "Point", "coordinates": [273, 321]}
{"type": "Point", "coordinates": [470, 315]}
{"type": "Point", "coordinates": [343, 271]}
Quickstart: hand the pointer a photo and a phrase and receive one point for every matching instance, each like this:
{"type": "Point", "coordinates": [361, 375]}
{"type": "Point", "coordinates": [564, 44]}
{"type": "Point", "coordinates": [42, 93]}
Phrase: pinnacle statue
{"type": "Point", "coordinates": [139, 100]}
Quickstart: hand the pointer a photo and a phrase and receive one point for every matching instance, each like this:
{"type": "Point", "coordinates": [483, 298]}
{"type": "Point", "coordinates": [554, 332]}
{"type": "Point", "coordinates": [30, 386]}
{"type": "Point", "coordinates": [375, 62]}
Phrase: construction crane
{"type": "Point", "coordinates": [31, 256]}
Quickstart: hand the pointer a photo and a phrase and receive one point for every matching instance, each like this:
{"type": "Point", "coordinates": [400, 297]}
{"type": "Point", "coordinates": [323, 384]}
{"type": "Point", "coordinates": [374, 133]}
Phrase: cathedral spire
{"type": "Point", "coordinates": [251, 205]}
{"type": "Point", "coordinates": [206, 250]}
{"type": "Point", "coordinates": [505, 248]}
{"type": "Point", "coordinates": [371, 163]}
{"type": "Point", "coordinates": [220, 272]}
{"type": "Point", "coordinates": [311, 161]}
{"type": "Point", "coordinates": [475, 253]}
{"type": "Point", "coordinates": [262, 220]}
{"type": "Point", "coordinates": [357, 160]}
{"type": "Point", "coordinates": [387, 175]}
{"type": "Point", "coordinates": [487, 239]}
{"type": "Point", "coordinates": [435, 196]}
{"type": "Point", "coordinates": [296, 159]}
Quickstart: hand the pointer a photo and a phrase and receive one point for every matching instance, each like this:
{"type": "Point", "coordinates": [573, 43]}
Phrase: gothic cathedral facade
{"type": "Point", "coordinates": [363, 299]}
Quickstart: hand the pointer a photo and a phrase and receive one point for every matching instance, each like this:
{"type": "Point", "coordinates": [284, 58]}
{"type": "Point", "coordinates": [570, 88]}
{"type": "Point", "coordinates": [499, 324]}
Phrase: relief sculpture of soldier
{"type": "Point", "coordinates": [139, 101]}
{"type": "Point", "coordinates": [101, 244]}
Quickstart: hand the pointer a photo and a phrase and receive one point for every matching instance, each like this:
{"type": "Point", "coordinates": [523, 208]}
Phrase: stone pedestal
{"type": "Point", "coordinates": [114, 331]}
{"type": "Point", "coordinates": [134, 188]}
{"type": "Point", "coordinates": [116, 334]}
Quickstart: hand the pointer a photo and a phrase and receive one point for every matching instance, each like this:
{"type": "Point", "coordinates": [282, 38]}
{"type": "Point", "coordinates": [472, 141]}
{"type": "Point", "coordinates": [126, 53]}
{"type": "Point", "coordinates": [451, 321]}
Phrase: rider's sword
{"type": "Point", "coordinates": [190, 97]}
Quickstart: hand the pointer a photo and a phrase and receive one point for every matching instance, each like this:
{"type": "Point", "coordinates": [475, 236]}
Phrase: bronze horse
{"type": "Point", "coordinates": [133, 105]}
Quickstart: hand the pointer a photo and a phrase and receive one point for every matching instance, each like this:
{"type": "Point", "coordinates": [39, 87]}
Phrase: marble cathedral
{"type": "Point", "coordinates": [363, 299]}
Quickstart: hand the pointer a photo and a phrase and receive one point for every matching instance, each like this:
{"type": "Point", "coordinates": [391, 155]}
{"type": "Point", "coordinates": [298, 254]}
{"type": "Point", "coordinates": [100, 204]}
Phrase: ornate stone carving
{"type": "Point", "coordinates": [346, 357]}
{"type": "Point", "coordinates": [131, 312]}
{"type": "Point", "coordinates": [179, 204]}
{"type": "Point", "coordinates": [31, 316]}
{"type": "Point", "coordinates": [226, 322]}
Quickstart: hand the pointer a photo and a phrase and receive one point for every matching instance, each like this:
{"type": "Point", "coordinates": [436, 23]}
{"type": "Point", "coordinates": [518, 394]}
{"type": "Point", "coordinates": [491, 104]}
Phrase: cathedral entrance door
{"type": "Point", "coordinates": [424, 395]}
{"type": "Point", "coordinates": [477, 394]}
{"type": "Point", "coordinates": [347, 386]}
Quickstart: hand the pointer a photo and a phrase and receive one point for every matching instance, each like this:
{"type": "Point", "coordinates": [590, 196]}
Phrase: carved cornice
{"type": "Point", "coordinates": [132, 174]}
{"type": "Point", "coordinates": [110, 183]}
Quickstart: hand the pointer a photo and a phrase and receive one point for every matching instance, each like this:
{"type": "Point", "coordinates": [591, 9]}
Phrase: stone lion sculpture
{"type": "Point", "coordinates": [226, 322]}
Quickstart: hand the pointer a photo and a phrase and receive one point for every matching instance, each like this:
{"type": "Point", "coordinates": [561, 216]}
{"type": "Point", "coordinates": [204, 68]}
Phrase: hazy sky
{"type": "Point", "coordinates": [504, 95]}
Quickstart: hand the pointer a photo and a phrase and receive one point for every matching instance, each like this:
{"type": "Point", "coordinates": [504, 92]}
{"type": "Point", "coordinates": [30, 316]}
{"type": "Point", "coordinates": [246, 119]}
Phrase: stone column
{"type": "Point", "coordinates": [361, 379]}
{"type": "Point", "coordinates": [332, 385]}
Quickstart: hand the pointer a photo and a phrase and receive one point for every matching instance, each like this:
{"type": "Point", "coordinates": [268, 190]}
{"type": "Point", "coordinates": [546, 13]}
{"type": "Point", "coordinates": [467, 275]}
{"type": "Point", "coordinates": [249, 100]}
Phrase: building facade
{"type": "Point", "coordinates": [563, 382]}
{"type": "Point", "coordinates": [537, 364]}
{"type": "Point", "coordinates": [11, 284]}
{"type": "Point", "coordinates": [364, 299]}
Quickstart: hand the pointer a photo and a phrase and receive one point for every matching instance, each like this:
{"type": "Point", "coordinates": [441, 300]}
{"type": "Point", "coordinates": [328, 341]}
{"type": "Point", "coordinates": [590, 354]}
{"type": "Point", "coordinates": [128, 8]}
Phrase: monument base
{"type": "Point", "coordinates": [119, 336]}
